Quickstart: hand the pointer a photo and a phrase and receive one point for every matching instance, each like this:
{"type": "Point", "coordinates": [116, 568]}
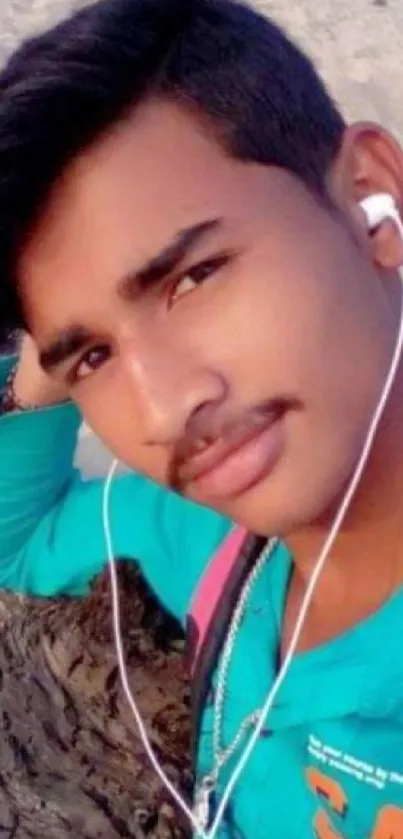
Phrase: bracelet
{"type": "Point", "coordinates": [9, 401]}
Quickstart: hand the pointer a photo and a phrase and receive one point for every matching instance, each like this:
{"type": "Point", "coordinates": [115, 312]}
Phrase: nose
{"type": "Point", "coordinates": [172, 388]}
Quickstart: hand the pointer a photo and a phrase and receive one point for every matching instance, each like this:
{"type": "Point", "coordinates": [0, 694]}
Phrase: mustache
{"type": "Point", "coordinates": [214, 427]}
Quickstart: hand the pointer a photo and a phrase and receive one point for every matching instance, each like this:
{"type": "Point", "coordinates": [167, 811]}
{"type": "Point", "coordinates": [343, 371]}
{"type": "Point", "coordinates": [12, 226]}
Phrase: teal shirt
{"type": "Point", "coordinates": [329, 764]}
{"type": "Point", "coordinates": [52, 540]}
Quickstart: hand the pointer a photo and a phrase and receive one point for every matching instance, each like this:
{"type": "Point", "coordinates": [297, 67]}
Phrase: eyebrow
{"type": "Point", "coordinates": [167, 260]}
{"type": "Point", "coordinates": [67, 343]}
{"type": "Point", "coordinates": [71, 340]}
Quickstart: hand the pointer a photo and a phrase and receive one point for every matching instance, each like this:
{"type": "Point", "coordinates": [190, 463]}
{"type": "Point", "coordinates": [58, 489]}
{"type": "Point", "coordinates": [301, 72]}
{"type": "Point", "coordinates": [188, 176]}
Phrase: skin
{"type": "Point", "coordinates": [282, 305]}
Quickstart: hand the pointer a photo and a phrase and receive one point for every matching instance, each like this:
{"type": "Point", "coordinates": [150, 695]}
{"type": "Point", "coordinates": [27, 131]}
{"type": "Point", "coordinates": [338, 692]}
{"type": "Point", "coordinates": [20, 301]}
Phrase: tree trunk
{"type": "Point", "coordinates": [71, 761]}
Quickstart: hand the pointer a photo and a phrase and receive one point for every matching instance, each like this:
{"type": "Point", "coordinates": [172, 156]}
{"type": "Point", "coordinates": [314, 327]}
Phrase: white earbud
{"type": "Point", "coordinates": [380, 207]}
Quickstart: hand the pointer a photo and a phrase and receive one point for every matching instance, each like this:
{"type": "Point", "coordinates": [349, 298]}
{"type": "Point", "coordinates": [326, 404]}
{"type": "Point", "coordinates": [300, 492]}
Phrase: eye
{"type": "Point", "coordinates": [91, 361]}
{"type": "Point", "coordinates": [196, 275]}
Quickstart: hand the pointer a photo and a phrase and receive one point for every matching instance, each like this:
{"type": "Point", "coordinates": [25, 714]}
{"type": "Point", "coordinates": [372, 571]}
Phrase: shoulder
{"type": "Point", "coordinates": [172, 538]}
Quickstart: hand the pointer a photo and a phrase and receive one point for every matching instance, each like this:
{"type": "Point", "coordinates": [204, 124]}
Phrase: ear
{"type": "Point", "coordinates": [370, 160]}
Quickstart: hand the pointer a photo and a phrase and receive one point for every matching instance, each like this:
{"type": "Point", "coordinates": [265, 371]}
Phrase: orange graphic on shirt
{"type": "Point", "coordinates": [324, 828]}
{"type": "Point", "coordinates": [388, 823]}
{"type": "Point", "coordinates": [328, 788]}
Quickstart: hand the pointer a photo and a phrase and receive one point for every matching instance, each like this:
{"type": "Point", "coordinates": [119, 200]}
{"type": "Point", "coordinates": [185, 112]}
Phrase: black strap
{"type": "Point", "coordinates": [208, 655]}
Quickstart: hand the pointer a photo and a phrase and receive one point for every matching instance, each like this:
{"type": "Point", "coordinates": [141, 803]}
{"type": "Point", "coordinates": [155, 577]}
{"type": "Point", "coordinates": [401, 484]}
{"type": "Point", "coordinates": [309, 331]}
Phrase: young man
{"type": "Point", "coordinates": [181, 236]}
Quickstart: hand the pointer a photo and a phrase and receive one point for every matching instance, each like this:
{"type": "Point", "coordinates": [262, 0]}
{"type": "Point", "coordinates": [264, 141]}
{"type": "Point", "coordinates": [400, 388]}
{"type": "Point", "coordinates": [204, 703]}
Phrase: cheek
{"type": "Point", "coordinates": [111, 414]}
{"type": "Point", "coordinates": [301, 331]}
{"type": "Point", "coordinates": [273, 331]}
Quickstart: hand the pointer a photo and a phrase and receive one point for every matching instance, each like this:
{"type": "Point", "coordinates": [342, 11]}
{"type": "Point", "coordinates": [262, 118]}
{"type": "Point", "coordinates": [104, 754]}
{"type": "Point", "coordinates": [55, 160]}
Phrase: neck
{"type": "Point", "coordinates": [369, 546]}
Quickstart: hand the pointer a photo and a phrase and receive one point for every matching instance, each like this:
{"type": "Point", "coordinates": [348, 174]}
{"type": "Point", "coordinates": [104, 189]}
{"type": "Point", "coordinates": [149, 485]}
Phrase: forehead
{"type": "Point", "coordinates": [156, 172]}
{"type": "Point", "coordinates": [116, 205]}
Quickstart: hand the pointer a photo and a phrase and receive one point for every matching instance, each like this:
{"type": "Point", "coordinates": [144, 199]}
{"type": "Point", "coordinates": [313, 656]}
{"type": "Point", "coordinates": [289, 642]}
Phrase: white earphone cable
{"type": "Point", "coordinates": [352, 487]}
{"type": "Point", "coordinates": [122, 661]}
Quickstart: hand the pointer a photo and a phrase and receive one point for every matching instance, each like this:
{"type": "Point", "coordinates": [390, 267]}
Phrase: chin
{"type": "Point", "coordinates": [283, 510]}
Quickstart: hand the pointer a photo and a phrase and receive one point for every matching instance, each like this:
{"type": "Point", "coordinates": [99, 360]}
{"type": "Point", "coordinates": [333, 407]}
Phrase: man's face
{"type": "Point", "coordinates": [216, 324]}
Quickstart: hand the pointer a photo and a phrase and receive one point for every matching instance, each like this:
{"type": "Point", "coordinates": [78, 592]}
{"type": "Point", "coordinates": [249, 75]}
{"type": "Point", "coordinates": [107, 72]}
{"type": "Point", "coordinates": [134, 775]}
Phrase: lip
{"type": "Point", "coordinates": [228, 469]}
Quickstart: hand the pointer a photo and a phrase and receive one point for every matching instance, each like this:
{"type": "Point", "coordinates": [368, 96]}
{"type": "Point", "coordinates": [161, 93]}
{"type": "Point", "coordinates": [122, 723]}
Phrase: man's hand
{"type": "Point", "coordinates": [32, 387]}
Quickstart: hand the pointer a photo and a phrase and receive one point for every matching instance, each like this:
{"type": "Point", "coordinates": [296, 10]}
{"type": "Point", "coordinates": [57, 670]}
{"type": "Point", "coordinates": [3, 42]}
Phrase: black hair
{"type": "Point", "coordinates": [62, 90]}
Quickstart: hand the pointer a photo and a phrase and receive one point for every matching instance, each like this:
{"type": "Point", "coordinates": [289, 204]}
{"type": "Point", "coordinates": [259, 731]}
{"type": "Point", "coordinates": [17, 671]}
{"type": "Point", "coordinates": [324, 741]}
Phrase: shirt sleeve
{"type": "Point", "coordinates": [52, 539]}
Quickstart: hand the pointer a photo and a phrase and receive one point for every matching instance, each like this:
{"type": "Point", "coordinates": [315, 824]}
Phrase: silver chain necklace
{"type": "Point", "coordinates": [221, 756]}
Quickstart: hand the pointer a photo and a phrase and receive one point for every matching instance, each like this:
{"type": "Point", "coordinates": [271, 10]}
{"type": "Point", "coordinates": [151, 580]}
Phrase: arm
{"type": "Point", "coordinates": [51, 534]}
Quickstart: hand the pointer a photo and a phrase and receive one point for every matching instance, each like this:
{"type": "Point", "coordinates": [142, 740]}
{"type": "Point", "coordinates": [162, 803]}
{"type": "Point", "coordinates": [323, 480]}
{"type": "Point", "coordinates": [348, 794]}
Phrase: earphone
{"type": "Point", "coordinates": [377, 209]}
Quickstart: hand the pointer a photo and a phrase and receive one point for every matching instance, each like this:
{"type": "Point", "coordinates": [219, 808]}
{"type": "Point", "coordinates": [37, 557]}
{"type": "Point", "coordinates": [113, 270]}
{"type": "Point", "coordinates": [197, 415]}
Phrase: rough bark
{"type": "Point", "coordinates": [71, 762]}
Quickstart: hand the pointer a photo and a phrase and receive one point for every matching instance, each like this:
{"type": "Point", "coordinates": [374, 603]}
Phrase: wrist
{"type": "Point", "coordinates": [31, 386]}
{"type": "Point", "coordinates": [28, 390]}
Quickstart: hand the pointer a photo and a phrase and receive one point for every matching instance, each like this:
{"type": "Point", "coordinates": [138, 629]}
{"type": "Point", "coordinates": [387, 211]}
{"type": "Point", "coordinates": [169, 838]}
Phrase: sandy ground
{"type": "Point", "coordinates": [358, 45]}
